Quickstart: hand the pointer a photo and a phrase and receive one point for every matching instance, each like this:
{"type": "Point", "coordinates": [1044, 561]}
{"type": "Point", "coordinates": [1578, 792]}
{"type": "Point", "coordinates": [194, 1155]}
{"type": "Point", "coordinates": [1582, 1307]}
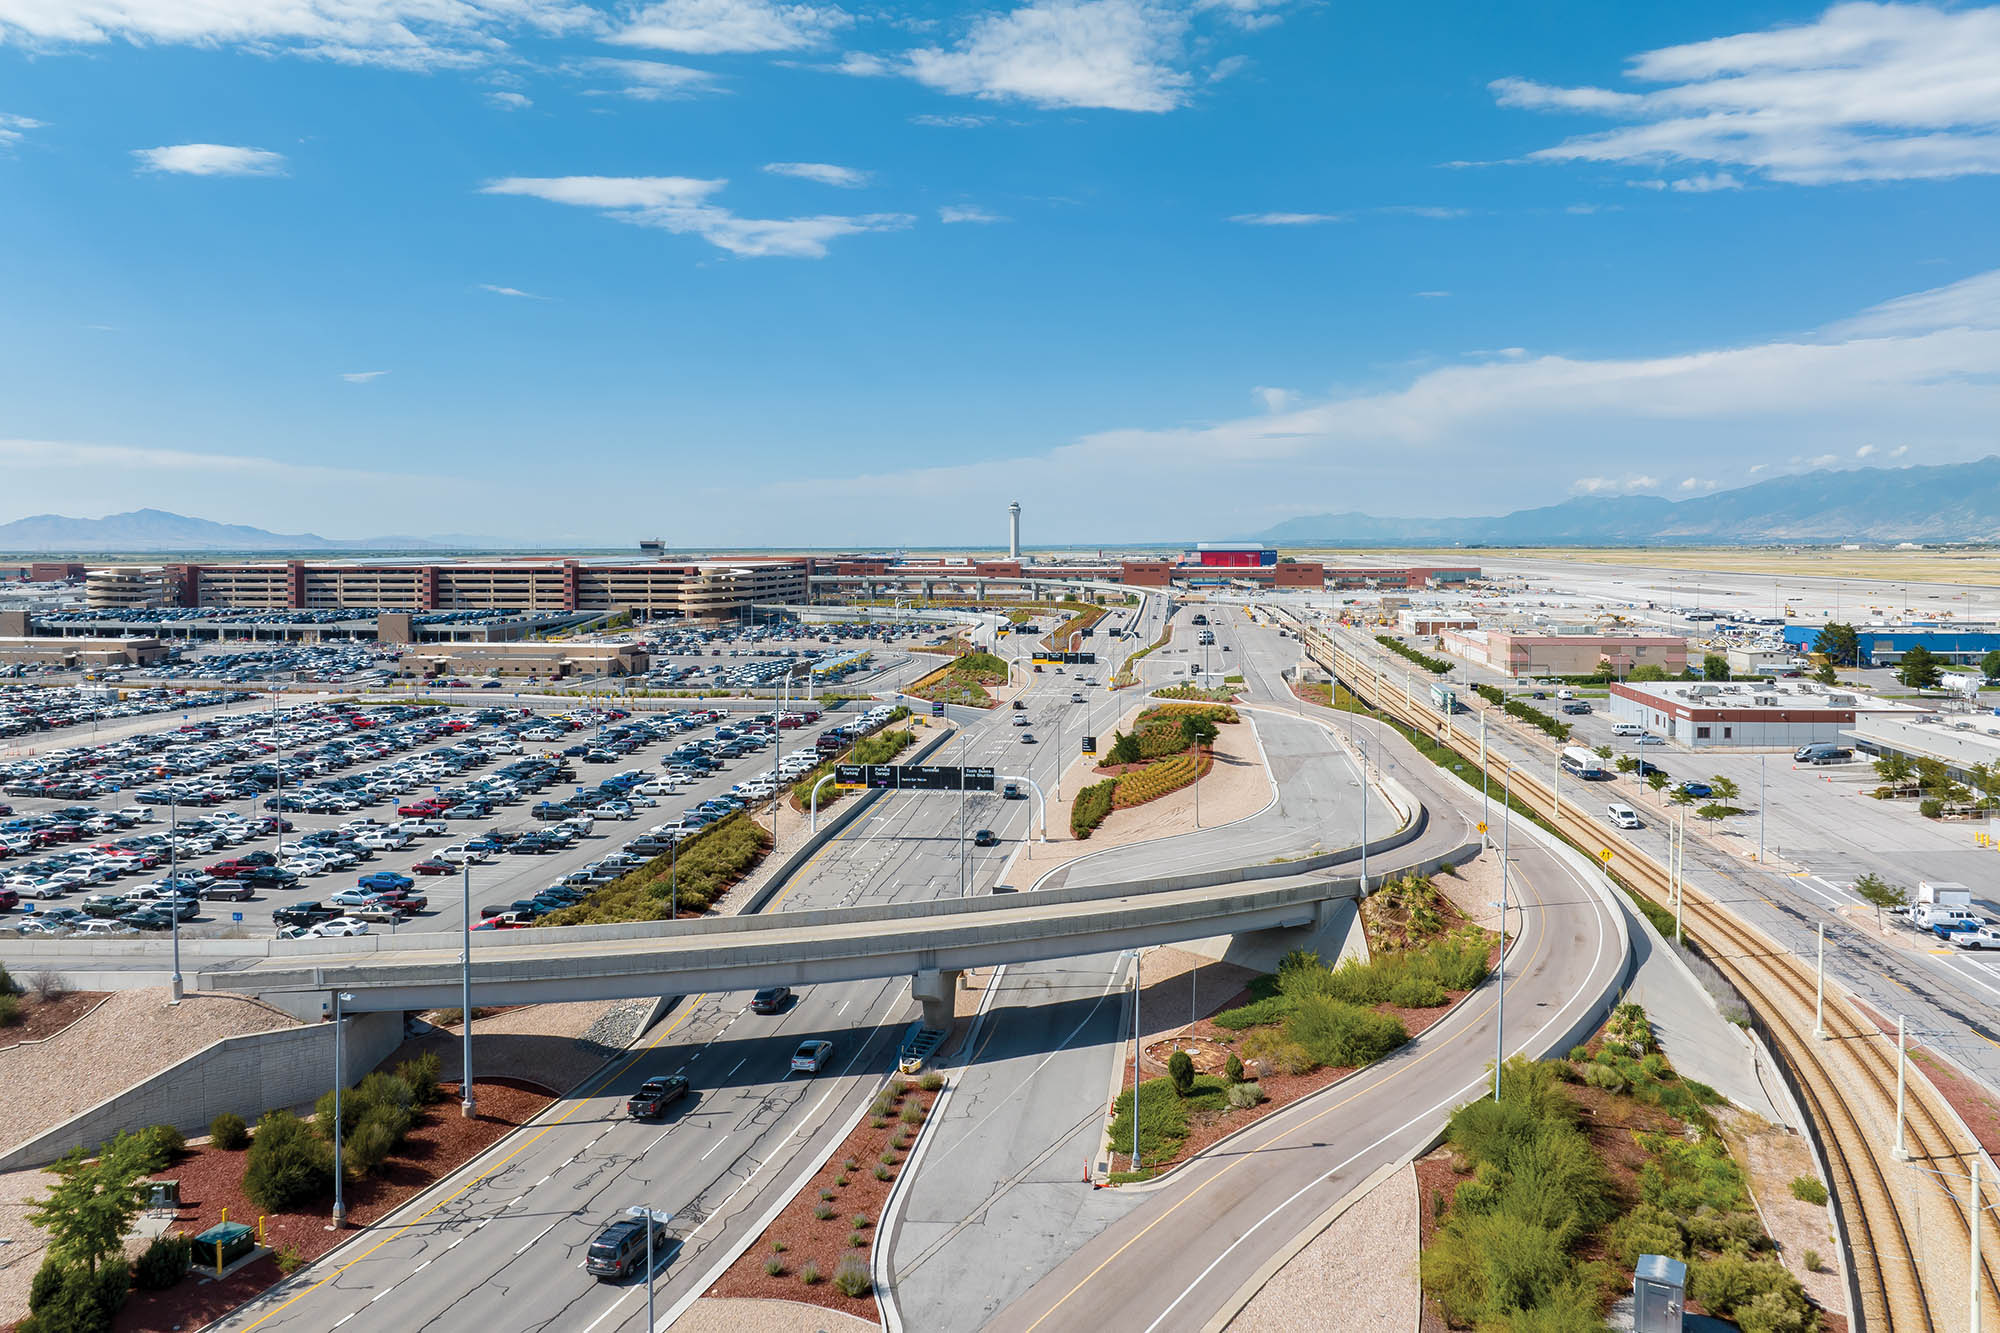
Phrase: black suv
{"type": "Point", "coordinates": [655, 1095]}
{"type": "Point", "coordinates": [770, 1000]}
{"type": "Point", "coordinates": [620, 1249]}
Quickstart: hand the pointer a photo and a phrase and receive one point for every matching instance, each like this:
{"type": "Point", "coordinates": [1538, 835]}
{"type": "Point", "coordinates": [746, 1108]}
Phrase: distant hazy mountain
{"type": "Point", "coordinates": [1952, 502]}
{"type": "Point", "coordinates": [158, 530]}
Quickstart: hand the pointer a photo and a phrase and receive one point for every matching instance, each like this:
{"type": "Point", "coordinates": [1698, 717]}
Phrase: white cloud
{"type": "Point", "coordinates": [211, 159]}
{"type": "Point", "coordinates": [363, 376]}
{"type": "Point", "coordinates": [1899, 451]}
{"type": "Point", "coordinates": [952, 122]}
{"type": "Point", "coordinates": [13, 127]}
{"type": "Point", "coordinates": [107, 461]}
{"type": "Point", "coordinates": [1864, 451]}
{"type": "Point", "coordinates": [1715, 411]}
{"type": "Point", "coordinates": [510, 291]}
{"type": "Point", "coordinates": [1865, 92]}
{"type": "Point", "coordinates": [1705, 184]}
{"type": "Point", "coordinates": [1698, 484]}
{"type": "Point", "coordinates": [649, 80]}
{"type": "Point", "coordinates": [1433, 295]}
{"type": "Point", "coordinates": [402, 34]}
{"type": "Point", "coordinates": [1425, 211]}
{"type": "Point", "coordinates": [506, 101]}
{"type": "Point", "coordinates": [1275, 400]}
{"type": "Point", "coordinates": [1823, 460]}
{"type": "Point", "coordinates": [715, 27]}
{"type": "Point", "coordinates": [1119, 55]}
{"type": "Point", "coordinates": [1627, 485]}
{"type": "Point", "coordinates": [1286, 219]}
{"type": "Point", "coordinates": [967, 213]}
{"type": "Point", "coordinates": [681, 204]}
{"type": "Point", "coordinates": [1973, 303]}
{"type": "Point", "coordinates": [825, 173]}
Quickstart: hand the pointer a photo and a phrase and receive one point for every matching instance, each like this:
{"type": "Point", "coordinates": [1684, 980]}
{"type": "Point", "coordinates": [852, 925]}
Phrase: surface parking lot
{"type": "Point", "coordinates": [407, 786]}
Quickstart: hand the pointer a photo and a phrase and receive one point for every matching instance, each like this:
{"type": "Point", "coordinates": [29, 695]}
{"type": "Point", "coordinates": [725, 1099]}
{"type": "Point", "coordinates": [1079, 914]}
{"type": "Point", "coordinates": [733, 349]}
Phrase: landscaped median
{"type": "Point", "coordinates": [817, 1250]}
{"type": "Point", "coordinates": [1167, 749]}
{"type": "Point", "coordinates": [963, 680]}
{"type": "Point", "coordinates": [694, 876]}
{"type": "Point", "coordinates": [1128, 673]}
{"type": "Point", "coordinates": [1302, 1028]}
{"type": "Point", "coordinates": [878, 748]}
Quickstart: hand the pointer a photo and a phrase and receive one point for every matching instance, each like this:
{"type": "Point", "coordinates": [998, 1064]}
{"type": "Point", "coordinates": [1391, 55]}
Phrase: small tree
{"type": "Point", "coordinates": [1681, 796]}
{"type": "Point", "coordinates": [1657, 780]}
{"type": "Point", "coordinates": [94, 1203]}
{"type": "Point", "coordinates": [1724, 789]}
{"type": "Point", "coordinates": [1825, 674]}
{"type": "Point", "coordinates": [1646, 672]}
{"type": "Point", "coordinates": [1124, 749]}
{"type": "Point", "coordinates": [1181, 1070]}
{"type": "Point", "coordinates": [1878, 893]}
{"type": "Point", "coordinates": [1919, 669]}
{"type": "Point", "coordinates": [1989, 665]}
{"type": "Point", "coordinates": [1602, 752]}
{"type": "Point", "coordinates": [1605, 671]}
{"type": "Point", "coordinates": [1714, 811]}
{"type": "Point", "coordinates": [1625, 763]}
{"type": "Point", "coordinates": [1838, 643]}
{"type": "Point", "coordinates": [1715, 666]}
{"type": "Point", "coordinates": [1894, 769]}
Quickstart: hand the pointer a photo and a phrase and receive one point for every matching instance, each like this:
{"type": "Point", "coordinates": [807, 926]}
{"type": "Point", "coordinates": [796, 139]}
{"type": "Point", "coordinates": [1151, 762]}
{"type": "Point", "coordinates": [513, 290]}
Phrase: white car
{"type": "Point", "coordinates": [458, 854]}
{"type": "Point", "coordinates": [811, 1056]}
{"type": "Point", "coordinates": [304, 866]}
{"type": "Point", "coordinates": [105, 929]}
{"type": "Point", "coordinates": [339, 926]}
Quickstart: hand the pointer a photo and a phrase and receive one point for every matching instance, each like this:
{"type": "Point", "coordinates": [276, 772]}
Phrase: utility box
{"type": "Point", "coordinates": [220, 1246]}
{"type": "Point", "coordinates": [1659, 1290]}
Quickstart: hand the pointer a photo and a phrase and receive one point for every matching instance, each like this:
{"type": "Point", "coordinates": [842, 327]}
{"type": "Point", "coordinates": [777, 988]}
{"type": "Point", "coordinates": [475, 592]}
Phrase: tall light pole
{"type": "Point", "coordinates": [1500, 995]}
{"type": "Point", "coordinates": [1364, 812]}
{"type": "Point", "coordinates": [174, 894]}
{"type": "Point", "coordinates": [339, 1076]}
{"type": "Point", "coordinates": [650, 1217]}
{"type": "Point", "coordinates": [465, 1097]}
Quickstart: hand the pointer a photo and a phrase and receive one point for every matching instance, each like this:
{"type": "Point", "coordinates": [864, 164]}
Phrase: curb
{"type": "Point", "coordinates": [1271, 1267]}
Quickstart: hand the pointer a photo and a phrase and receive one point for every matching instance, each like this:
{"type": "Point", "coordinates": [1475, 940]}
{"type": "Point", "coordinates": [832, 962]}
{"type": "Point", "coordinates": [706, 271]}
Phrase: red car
{"type": "Point", "coordinates": [419, 809]}
{"type": "Point", "coordinates": [498, 923]}
{"type": "Point", "coordinates": [433, 866]}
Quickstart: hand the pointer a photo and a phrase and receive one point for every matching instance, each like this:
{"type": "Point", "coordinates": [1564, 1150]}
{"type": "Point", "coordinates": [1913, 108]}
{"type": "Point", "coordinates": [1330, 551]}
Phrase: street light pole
{"type": "Point", "coordinates": [465, 1097]}
{"type": "Point", "coordinates": [1500, 995]}
{"type": "Point", "coordinates": [1901, 1150]}
{"type": "Point", "coordinates": [649, 1217]}
{"type": "Point", "coordinates": [339, 1076]}
{"type": "Point", "coordinates": [1819, 988]}
{"type": "Point", "coordinates": [174, 897]}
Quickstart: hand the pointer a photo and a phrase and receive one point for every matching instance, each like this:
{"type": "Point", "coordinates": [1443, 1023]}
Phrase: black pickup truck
{"type": "Point", "coordinates": [655, 1095]}
{"type": "Point", "coordinates": [303, 914]}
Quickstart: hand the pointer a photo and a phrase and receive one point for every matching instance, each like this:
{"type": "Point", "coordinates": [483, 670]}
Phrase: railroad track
{"type": "Point", "coordinates": [1847, 1079]}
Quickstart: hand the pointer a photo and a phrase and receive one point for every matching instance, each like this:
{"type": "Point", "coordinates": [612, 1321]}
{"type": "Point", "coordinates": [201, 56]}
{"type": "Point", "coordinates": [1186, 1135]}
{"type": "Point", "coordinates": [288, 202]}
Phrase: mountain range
{"type": "Point", "coordinates": [1949, 502]}
{"type": "Point", "coordinates": [157, 530]}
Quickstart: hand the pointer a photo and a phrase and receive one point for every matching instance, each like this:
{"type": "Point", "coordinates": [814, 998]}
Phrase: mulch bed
{"type": "Point", "coordinates": [42, 1019]}
{"type": "Point", "coordinates": [808, 1239]}
{"type": "Point", "coordinates": [211, 1182]}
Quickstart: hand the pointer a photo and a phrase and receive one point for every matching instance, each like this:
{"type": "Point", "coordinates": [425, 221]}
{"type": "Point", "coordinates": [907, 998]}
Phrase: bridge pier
{"type": "Point", "coordinates": [938, 993]}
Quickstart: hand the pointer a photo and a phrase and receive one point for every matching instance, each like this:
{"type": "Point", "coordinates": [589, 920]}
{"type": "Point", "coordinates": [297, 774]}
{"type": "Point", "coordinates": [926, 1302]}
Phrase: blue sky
{"type": "Point", "coordinates": [734, 272]}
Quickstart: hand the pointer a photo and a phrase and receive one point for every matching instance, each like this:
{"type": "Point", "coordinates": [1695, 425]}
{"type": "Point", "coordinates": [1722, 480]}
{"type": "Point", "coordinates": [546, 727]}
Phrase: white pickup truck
{"type": "Point", "coordinates": [1986, 937]}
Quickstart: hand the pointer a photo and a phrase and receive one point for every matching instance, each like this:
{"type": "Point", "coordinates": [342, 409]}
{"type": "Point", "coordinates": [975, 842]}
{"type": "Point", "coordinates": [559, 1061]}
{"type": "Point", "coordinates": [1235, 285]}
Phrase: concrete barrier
{"type": "Point", "coordinates": [247, 1074]}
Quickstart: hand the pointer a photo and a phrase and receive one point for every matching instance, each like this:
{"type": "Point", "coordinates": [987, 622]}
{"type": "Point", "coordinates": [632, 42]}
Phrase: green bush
{"type": "Point", "coordinates": [1180, 1071]}
{"type": "Point", "coordinates": [1808, 1190]}
{"type": "Point", "coordinates": [163, 1263]}
{"type": "Point", "coordinates": [1257, 1013]}
{"type": "Point", "coordinates": [809, 1273]}
{"type": "Point", "coordinates": [1435, 665]}
{"type": "Point", "coordinates": [1090, 807]}
{"type": "Point", "coordinates": [1342, 1035]}
{"type": "Point", "coordinates": [698, 873]}
{"type": "Point", "coordinates": [10, 1009]}
{"type": "Point", "coordinates": [932, 1081]}
{"type": "Point", "coordinates": [1233, 1070]}
{"type": "Point", "coordinates": [421, 1074]}
{"type": "Point", "coordinates": [289, 1164]}
{"type": "Point", "coordinates": [370, 1144]}
{"type": "Point", "coordinates": [228, 1132]}
{"type": "Point", "coordinates": [1733, 1282]}
{"type": "Point", "coordinates": [1645, 1230]}
{"type": "Point", "coordinates": [1245, 1095]}
{"type": "Point", "coordinates": [8, 986]}
{"type": "Point", "coordinates": [73, 1300]}
{"type": "Point", "coordinates": [850, 1278]}
{"type": "Point", "coordinates": [47, 1283]}
{"type": "Point", "coordinates": [164, 1143]}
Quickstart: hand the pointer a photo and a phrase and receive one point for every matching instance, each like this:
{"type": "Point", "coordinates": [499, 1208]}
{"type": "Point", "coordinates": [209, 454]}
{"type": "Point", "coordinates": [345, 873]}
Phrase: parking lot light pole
{"type": "Point", "coordinates": [177, 989]}
{"type": "Point", "coordinates": [466, 1106]}
{"type": "Point", "coordinates": [649, 1217]}
{"type": "Point", "coordinates": [1500, 995]}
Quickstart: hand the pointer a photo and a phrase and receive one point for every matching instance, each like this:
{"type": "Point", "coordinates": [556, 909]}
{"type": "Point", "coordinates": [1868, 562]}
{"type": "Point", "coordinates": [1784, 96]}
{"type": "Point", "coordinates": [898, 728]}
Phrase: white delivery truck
{"type": "Point", "coordinates": [1942, 903]}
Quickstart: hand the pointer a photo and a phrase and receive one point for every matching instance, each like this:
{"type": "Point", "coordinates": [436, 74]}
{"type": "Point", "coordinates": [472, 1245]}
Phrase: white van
{"type": "Point", "coordinates": [1565, 693]}
{"type": "Point", "coordinates": [1627, 729]}
{"type": "Point", "coordinates": [1622, 816]}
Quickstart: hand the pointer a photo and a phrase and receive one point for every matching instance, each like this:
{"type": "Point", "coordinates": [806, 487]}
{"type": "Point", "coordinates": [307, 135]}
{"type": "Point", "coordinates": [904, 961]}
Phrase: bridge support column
{"type": "Point", "coordinates": [938, 993]}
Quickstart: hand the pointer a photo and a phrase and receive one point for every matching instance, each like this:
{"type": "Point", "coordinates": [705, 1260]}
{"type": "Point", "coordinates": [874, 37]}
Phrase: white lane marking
{"type": "Point", "coordinates": [841, 1009]}
{"type": "Point", "coordinates": [538, 1235]}
{"type": "Point", "coordinates": [1960, 967]}
{"type": "Point", "coordinates": [1825, 897]}
{"type": "Point", "coordinates": [733, 1068]}
{"type": "Point", "coordinates": [344, 1318]}
{"type": "Point", "coordinates": [545, 1180]}
{"type": "Point", "coordinates": [711, 1148]}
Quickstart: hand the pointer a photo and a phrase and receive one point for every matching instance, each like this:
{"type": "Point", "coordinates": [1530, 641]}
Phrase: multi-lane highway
{"type": "Point", "coordinates": [512, 1228]}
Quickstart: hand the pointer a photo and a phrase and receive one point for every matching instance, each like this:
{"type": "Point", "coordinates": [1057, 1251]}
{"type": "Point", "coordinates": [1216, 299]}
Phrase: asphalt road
{"type": "Point", "coordinates": [528, 1208]}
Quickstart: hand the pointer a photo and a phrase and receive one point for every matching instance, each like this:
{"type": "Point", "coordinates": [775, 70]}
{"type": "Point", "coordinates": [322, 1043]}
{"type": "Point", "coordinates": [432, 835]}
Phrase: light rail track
{"type": "Point", "coordinates": [1847, 1079]}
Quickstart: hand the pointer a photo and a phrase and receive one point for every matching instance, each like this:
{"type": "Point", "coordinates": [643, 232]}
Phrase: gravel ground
{"type": "Point", "coordinates": [1364, 1265]}
{"type": "Point", "coordinates": [1475, 891]}
{"type": "Point", "coordinates": [1773, 1157]}
{"type": "Point", "coordinates": [130, 1037]}
{"type": "Point", "coordinates": [555, 1046]}
{"type": "Point", "coordinates": [713, 1314]}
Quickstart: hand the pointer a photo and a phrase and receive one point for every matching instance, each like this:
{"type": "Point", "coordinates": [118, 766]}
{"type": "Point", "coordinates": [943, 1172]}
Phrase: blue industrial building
{"type": "Point", "coordinates": [1884, 645]}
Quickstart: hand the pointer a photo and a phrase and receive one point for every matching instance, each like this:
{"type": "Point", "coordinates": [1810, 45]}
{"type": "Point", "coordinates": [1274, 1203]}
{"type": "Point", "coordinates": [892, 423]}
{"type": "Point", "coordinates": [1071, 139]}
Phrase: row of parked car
{"type": "Point", "coordinates": [30, 709]}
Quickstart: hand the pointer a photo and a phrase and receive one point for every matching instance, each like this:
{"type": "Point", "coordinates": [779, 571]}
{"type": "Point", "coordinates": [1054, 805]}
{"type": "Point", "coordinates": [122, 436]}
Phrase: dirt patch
{"type": "Point", "coordinates": [42, 1019]}
{"type": "Point", "coordinates": [1364, 1265]}
{"type": "Point", "coordinates": [1974, 1104]}
{"type": "Point", "coordinates": [845, 1193]}
{"type": "Point", "coordinates": [1772, 1157]}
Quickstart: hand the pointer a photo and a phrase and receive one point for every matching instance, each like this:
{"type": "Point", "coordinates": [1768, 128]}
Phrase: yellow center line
{"type": "Point", "coordinates": [1300, 1128]}
{"type": "Point", "coordinates": [482, 1176]}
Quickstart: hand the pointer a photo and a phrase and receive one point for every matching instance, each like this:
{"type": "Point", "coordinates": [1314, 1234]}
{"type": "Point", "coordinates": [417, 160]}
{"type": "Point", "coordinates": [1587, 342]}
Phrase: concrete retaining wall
{"type": "Point", "coordinates": [248, 1074]}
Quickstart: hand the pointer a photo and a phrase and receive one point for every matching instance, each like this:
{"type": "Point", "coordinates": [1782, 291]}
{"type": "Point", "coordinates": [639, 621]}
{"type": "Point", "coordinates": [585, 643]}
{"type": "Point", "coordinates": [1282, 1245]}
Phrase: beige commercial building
{"type": "Point", "coordinates": [81, 654]}
{"type": "Point", "coordinates": [1566, 654]}
{"type": "Point", "coordinates": [519, 660]}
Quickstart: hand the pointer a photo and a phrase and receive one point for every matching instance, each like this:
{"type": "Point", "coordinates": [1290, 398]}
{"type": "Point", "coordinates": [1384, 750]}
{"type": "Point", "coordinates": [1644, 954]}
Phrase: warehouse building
{"type": "Point", "coordinates": [1518, 654]}
{"type": "Point", "coordinates": [1958, 742]}
{"type": "Point", "coordinates": [1884, 645]}
{"type": "Point", "coordinates": [1754, 715]}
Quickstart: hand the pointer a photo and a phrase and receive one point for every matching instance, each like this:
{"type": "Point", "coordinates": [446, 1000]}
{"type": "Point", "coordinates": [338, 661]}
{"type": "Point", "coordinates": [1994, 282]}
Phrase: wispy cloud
{"type": "Point", "coordinates": [825, 173]}
{"type": "Point", "coordinates": [1433, 295]}
{"type": "Point", "coordinates": [362, 376]}
{"type": "Point", "coordinates": [398, 34]}
{"type": "Point", "coordinates": [683, 205]}
{"type": "Point", "coordinates": [1866, 92]}
{"type": "Point", "coordinates": [510, 291]}
{"type": "Point", "coordinates": [1287, 219]}
{"type": "Point", "coordinates": [507, 101]}
{"type": "Point", "coordinates": [211, 159]}
{"type": "Point", "coordinates": [1431, 211]}
{"type": "Point", "coordinates": [13, 127]}
{"type": "Point", "coordinates": [967, 213]}
{"type": "Point", "coordinates": [1626, 485]}
{"type": "Point", "coordinates": [1274, 399]}
{"type": "Point", "coordinates": [106, 460]}
{"type": "Point", "coordinates": [952, 122]}
{"type": "Point", "coordinates": [647, 80]}
{"type": "Point", "coordinates": [717, 27]}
